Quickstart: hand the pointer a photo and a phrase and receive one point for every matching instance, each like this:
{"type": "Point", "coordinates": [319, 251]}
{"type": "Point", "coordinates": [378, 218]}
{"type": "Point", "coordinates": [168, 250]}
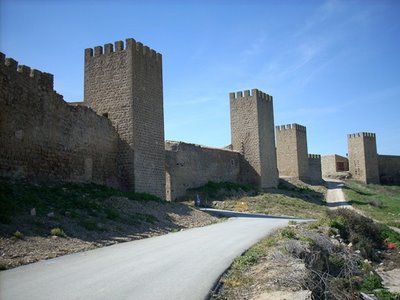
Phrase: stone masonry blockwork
{"type": "Point", "coordinates": [314, 168]}
{"type": "Point", "coordinates": [252, 134]}
{"type": "Point", "coordinates": [43, 138]}
{"type": "Point", "coordinates": [363, 157]}
{"type": "Point", "coordinates": [334, 165]}
{"type": "Point", "coordinates": [115, 137]}
{"type": "Point", "coordinates": [389, 169]}
{"type": "Point", "coordinates": [292, 153]}
{"type": "Point", "coordinates": [125, 84]}
{"type": "Point", "coordinates": [191, 166]}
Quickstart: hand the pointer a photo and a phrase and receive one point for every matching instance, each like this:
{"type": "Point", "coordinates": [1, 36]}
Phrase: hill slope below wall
{"type": "Point", "coordinates": [45, 221]}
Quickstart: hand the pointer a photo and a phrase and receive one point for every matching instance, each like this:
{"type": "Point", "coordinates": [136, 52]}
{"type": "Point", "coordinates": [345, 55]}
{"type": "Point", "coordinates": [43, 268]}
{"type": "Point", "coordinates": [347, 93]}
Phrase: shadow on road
{"type": "Point", "coordinates": [334, 184]}
{"type": "Point", "coordinates": [338, 204]}
{"type": "Point", "coordinates": [234, 214]}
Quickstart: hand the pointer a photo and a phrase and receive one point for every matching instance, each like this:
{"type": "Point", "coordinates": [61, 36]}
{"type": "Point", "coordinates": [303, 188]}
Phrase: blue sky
{"type": "Point", "coordinates": [333, 66]}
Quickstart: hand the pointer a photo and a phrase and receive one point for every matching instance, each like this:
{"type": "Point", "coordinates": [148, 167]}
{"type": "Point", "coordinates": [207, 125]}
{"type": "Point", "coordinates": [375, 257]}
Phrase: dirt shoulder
{"type": "Point", "coordinates": [341, 256]}
{"type": "Point", "coordinates": [45, 221]}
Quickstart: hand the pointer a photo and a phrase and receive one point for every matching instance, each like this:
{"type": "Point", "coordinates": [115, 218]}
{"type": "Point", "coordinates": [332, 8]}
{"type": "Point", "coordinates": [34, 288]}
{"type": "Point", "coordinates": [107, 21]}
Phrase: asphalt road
{"type": "Point", "coordinates": [182, 265]}
{"type": "Point", "coordinates": [335, 197]}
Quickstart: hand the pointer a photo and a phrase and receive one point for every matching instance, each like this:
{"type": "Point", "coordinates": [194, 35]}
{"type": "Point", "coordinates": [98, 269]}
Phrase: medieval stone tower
{"type": "Point", "coordinates": [252, 134]}
{"type": "Point", "coordinates": [363, 157]}
{"type": "Point", "coordinates": [292, 153]}
{"type": "Point", "coordinates": [125, 85]}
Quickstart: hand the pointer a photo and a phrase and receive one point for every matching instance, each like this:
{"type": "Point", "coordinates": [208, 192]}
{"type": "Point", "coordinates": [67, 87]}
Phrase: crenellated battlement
{"type": "Point", "coordinates": [316, 156]}
{"type": "Point", "coordinates": [292, 153]}
{"type": "Point", "coordinates": [293, 126]}
{"type": "Point", "coordinates": [123, 81]}
{"type": "Point", "coordinates": [363, 157]}
{"type": "Point", "coordinates": [43, 79]}
{"type": "Point", "coordinates": [247, 93]}
{"type": "Point", "coordinates": [119, 46]}
{"type": "Point", "coordinates": [361, 134]}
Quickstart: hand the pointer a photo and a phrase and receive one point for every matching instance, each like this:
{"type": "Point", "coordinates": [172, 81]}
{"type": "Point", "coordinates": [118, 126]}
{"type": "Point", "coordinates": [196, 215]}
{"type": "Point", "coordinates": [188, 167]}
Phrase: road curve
{"type": "Point", "coordinates": [182, 265]}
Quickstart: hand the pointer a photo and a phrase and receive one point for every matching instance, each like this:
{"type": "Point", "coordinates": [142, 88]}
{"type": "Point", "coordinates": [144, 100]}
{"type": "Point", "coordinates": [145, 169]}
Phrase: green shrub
{"type": "Point", "coordinates": [383, 294]}
{"type": "Point", "coordinates": [339, 223]}
{"type": "Point", "coordinates": [144, 197]}
{"type": "Point", "coordinates": [19, 196]}
{"type": "Point", "coordinates": [390, 235]}
{"type": "Point", "coordinates": [18, 235]}
{"type": "Point", "coordinates": [249, 259]}
{"type": "Point", "coordinates": [321, 222]}
{"type": "Point", "coordinates": [288, 232]}
{"type": "Point", "coordinates": [221, 190]}
{"type": "Point", "coordinates": [336, 261]}
{"type": "Point", "coordinates": [362, 232]}
{"type": "Point", "coordinates": [57, 232]}
{"type": "Point", "coordinates": [371, 282]}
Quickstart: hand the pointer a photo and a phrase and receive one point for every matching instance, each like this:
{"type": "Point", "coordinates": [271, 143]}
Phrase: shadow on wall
{"type": "Point", "coordinates": [390, 179]}
{"type": "Point", "coordinates": [125, 167]}
{"type": "Point", "coordinates": [190, 166]}
{"type": "Point", "coordinates": [248, 175]}
{"type": "Point", "coordinates": [219, 191]}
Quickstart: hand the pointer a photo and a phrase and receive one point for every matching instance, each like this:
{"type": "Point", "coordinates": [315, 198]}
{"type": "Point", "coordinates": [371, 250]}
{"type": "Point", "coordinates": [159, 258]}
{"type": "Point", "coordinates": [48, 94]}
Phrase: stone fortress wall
{"type": "Point", "coordinates": [363, 157]}
{"type": "Point", "coordinates": [292, 153]}
{"type": "Point", "coordinates": [115, 136]}
{"type": "Point", "coordinates": [42, 137]}
{"type": "Point", "coordinates": [366, 165]}
{"type": "Point", "coordinates": [125, 84]}
{"type": "Point", "coordinates": [250, 159]}
{"type": "Point", "coordinates": [314, 168]}
{"type": "Point", "coordinates": [252, 135]}
{"type": "Point", "coordinates": [190, 166]}
{"type": "Point", "coordinates": [334, 165]}
{"type": "Point", "coordinates": [389, 169]}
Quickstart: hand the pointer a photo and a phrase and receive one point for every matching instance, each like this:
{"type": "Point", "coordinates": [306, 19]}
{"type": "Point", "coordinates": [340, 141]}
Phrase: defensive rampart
{"type": "Point", "coordinates": [44, 138]}
{"type": "Point", "coordinates": [190, 166]}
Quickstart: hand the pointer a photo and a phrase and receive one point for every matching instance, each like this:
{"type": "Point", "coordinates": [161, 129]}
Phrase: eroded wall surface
{"type": "Point", "coordinates": [44, 138]}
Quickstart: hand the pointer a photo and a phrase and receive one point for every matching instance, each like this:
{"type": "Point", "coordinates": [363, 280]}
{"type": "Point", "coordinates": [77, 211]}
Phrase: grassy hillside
{"type": "Point", "coordinates": [48, 220]}
{"type": "Point", "coordinates": [298, 200]}
{"type": "Point", "coordinates": [379, 202]}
